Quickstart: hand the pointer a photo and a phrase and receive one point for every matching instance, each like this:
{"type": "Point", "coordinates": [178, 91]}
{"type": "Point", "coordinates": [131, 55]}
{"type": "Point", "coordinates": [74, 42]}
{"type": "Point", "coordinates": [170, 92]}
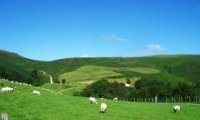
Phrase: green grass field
{"type": "Point", "coordinates": [89, 72]}
{"type": "Point", "coordinates": [141, 70]}
{"type": "Point", "coordinates": [21, 105]}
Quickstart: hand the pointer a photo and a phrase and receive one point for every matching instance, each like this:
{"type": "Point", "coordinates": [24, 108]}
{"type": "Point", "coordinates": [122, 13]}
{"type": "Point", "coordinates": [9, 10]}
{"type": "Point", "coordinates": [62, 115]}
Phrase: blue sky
{"type": "Point", "coordinates": [55, 29]}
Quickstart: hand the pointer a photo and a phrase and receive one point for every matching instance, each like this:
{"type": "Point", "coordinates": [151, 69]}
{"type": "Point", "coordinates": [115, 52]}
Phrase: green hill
{"type": "Point", "coordinates": [72, 75]}
{"type": "Point", "coordinates": [171, 68]}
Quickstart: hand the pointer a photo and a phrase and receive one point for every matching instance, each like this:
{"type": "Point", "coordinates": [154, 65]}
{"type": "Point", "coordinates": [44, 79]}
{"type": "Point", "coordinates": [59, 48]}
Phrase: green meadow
{"type": "Point", "coordinates": [58, 103]}
{"type": "Point", "coordinates": [89, 72]}
{"type": "Point", "coordinates": [21, 105]}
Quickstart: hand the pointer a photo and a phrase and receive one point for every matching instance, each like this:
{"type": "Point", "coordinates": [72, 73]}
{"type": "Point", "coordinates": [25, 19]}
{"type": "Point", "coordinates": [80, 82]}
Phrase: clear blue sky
{"type": "Point", "coordinates": [54, 29]}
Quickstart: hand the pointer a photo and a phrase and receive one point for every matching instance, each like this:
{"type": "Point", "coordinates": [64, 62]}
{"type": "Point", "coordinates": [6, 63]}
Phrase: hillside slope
{"type": "Point", "coordinates": [172, 68]}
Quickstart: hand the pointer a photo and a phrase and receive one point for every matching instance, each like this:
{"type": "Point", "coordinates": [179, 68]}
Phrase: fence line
{"type": "Point", "coordinates": [191, 99]}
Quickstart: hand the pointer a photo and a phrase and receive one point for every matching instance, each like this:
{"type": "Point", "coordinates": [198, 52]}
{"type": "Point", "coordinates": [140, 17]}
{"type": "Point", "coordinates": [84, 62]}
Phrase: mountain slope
{"type": "Point", "coordinates": [173, 68]}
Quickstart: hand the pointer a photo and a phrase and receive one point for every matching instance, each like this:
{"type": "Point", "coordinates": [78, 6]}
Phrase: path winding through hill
{"type": "Point", "coordinates": [50, 76]}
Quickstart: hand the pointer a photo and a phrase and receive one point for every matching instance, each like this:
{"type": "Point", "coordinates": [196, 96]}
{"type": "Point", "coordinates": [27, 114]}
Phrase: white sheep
{"type": "Point", "coordinates": [176, 108]}
{"type": "Point", "coordinates": [25, 84]}
{"type": "Point", "coordinates": [4, 116]}
{"type": "Point", "coordinates": [7, 89]}
{"type": "Point", "coordinates": [35, 92]}
{"type": "Point", "coordinates": [116, 98]}
{"type": "Point", "coordinates": [103, 98]}
{"type": "Point", "coordinates": [127, 85]}
{"type": "Point", "coordinates": [103, 107]}
{"type": "Point", "coordinates": [92, 100]}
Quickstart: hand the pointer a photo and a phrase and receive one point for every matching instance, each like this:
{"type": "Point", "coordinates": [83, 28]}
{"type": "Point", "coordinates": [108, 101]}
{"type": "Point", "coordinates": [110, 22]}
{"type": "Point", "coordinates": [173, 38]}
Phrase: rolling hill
{"type": "Point", "coordinates": [171, 68]}
{"type": "Point", "coordinates": [56, 100]}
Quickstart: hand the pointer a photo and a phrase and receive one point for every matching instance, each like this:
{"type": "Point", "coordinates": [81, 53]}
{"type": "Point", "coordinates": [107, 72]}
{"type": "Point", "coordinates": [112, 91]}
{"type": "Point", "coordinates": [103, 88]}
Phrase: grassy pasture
{"type": "Point", "coordinates": [92, 72]}
{"type": "Point", "coordinates": [89, 72]}
{"type": "Point", "coordinates": [21, 105]}
{"type": "Point", "coordinates": [142, 70]}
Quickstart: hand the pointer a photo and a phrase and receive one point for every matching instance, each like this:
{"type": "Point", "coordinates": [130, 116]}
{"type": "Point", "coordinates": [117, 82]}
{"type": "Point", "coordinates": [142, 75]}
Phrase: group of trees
{"type": "Point", "coordinates": [19, 74]}
{"type": "Point", "coordinates": [151, 88]}
{"type": "Point", "coordinates": [144, 88]}
{"type": "Point", "coordinates": [38, 78]}
{"type": "Point", "coordinates": [105, 89]}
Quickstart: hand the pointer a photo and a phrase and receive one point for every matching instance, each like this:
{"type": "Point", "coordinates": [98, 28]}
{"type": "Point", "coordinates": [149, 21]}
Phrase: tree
{"type": "Point", "coordinates": [106, 89]}
{"type": "Point", "coordinates": [169, 70]}
{"type": "Point", "coordinates": [128, 81]}
{"type": "Point", "coordinates": [183, 90]}
{"type": "Point", "coordinates": [63, 81]}
{"type": "Point", "coordinates": [151, 88]}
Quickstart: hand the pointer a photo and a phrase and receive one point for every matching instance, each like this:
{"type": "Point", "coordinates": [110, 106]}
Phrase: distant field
{"type": "Point", "coordinates": [89, 72]}
{"type": "Point", "coordinates": [21, 105]}
{"type": "Point", "coordinates": [141, 70]}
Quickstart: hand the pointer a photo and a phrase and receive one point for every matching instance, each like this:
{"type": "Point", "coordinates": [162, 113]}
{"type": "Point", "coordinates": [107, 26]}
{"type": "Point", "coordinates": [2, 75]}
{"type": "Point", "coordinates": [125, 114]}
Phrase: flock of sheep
{"type": "Point", "coordinates": [103, 106]}
{"type": "Point", "coordinates": [10, 89]}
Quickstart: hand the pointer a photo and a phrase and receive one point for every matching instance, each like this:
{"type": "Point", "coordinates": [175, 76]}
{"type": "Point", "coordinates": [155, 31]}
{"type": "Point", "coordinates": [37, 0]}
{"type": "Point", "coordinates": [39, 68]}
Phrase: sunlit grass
{"type": "Point", "coordinates": [21, 105]}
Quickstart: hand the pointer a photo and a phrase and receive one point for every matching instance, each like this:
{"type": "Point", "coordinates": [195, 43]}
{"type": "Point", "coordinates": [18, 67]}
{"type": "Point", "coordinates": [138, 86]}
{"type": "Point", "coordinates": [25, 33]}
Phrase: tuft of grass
{"type": "Point", "coordinates": [55, 86]}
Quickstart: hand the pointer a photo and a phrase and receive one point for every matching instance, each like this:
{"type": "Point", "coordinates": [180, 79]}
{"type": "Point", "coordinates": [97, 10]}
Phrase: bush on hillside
{"type": "Point", "coordinates": [151, 88]}
{"type": "Point", "coordinates": [184, 90]}
{"type": "Point", "coordinates": [144, 88]}
{"type": "Point", "coordinates": [105, 89]}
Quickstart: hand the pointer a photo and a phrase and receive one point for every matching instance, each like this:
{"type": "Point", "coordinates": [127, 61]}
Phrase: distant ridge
{"type": "Point", "coordinates": [171, 68]}
{"type": "Point", "coordinates": [5, 52]}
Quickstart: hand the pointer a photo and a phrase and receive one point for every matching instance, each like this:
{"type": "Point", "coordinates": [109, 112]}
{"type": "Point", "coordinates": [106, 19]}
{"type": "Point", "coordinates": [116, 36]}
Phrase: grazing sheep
{"type": "Point", "coordinates": [103, 98]}
{"type": "Point", "coordinates": [127, 85]}
{"type": "Point", "coordinates": [25, 84]}
{"type": "Point", "coordinates": [35, 92]}
{"type": "Point", "coordinates": [103, 107]}
{"type": "Point", "coordinates": [116, 98]}
{"type": "Point", "coordinates": [7, 89]}
{"type": "Point", "coordinates": [4, 116]}
{"type": "Point", "coordinates": [92, 100]}
{"type": "Point", "coordinates": [176, 108]}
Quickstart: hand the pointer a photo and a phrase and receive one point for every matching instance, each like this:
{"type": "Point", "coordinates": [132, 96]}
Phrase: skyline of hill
{"type": "Point", "coordinates": [171, 68]}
